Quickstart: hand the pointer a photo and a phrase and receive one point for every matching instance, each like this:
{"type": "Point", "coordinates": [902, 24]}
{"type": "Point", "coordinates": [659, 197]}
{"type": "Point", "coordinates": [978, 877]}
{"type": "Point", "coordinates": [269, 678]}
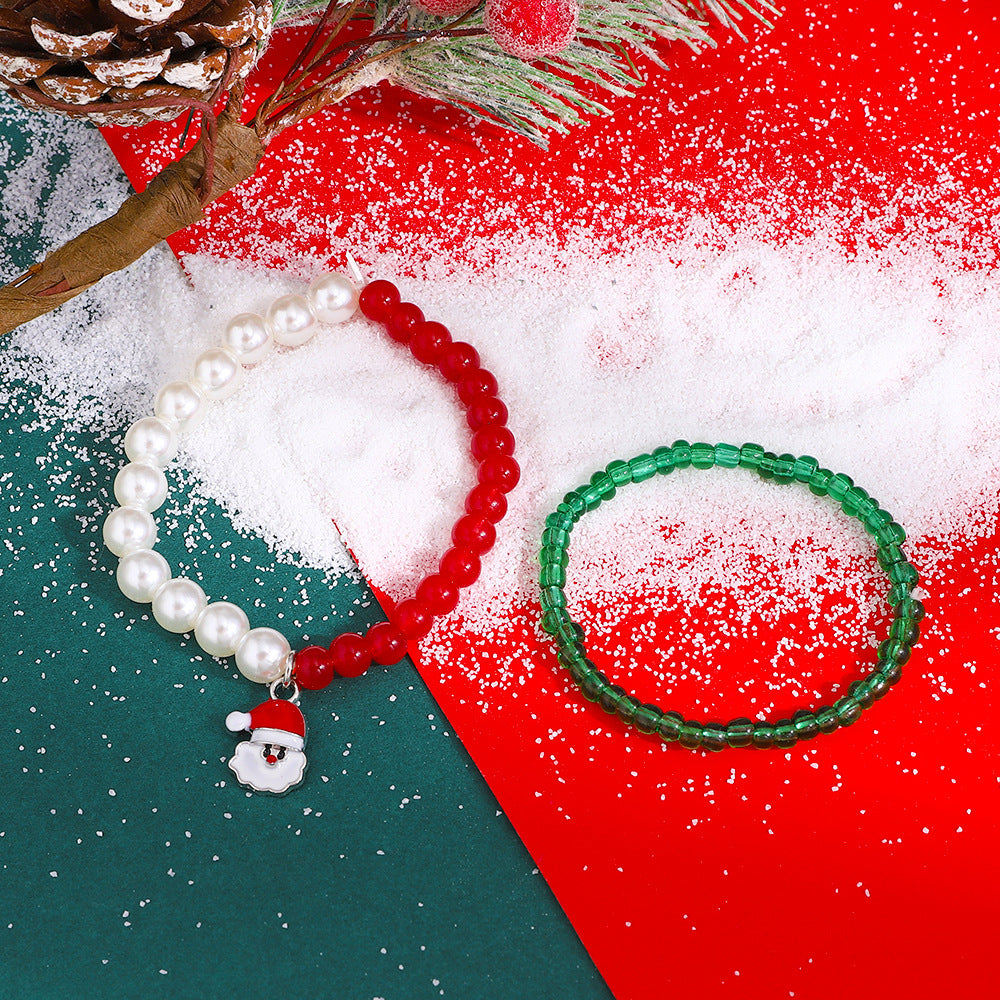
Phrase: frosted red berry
{"type": "Point", "coordinates": [445, 8]}
{"type": "Point", "coordinates": [532, 29]}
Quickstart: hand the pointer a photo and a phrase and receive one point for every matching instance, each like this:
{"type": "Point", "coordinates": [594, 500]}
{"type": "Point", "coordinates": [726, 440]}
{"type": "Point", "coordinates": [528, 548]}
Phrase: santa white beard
{"type": "Point", "coordinates": [252, 770]}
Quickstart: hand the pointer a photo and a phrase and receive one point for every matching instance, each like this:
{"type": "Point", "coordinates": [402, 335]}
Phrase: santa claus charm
{"type": "Point", "coordinates": [272, 760]}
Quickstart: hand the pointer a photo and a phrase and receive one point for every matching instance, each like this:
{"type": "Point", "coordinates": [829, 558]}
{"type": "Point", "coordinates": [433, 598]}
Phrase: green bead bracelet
{"type": "Point", "coordinates": [892, 653]}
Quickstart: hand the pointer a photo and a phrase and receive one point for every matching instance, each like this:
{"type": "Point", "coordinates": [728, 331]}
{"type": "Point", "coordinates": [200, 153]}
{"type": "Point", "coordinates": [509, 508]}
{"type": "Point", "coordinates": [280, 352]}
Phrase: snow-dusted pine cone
{"type": "Point", "coordinates": [87, 58]}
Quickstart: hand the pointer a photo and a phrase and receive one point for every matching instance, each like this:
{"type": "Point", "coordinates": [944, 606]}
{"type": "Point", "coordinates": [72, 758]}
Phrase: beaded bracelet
{"type": "Point", "coordinates": [892, 653]}
{"type": "Point", "coordinates": [273, 759]}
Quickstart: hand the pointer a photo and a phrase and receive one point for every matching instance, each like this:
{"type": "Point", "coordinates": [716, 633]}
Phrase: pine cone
{"type": "Point", "coordinates": [124, 62]}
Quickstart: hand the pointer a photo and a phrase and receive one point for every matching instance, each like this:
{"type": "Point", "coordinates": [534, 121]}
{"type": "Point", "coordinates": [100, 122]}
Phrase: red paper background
{"type": "Point", "coordinates": [860, 864]}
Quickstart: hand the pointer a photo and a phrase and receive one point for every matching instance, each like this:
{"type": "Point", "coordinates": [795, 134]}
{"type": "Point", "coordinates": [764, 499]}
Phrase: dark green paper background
{"type": "Point", "coordinates": [130, 865]}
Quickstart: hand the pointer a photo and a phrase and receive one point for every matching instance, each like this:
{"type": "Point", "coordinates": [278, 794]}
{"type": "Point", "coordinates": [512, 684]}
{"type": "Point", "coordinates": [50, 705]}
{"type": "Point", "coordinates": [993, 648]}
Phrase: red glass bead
{"type": "Point", "coordinates": [477, 382]}
{"type": "Point", "coordinates": [458, 360]}
{"type": "Point", "coordinates": [438, 594]}
{"type": "Point", "coordinates": [491, 439]}
{"type": "Point", "coordinates": [350, 654]}
{"type": "Point", "coordinates": [485, 410]}
{"type": "Point", "coordinates": [388, 644]}
{"type": "Point", "coordinates": [312, 668]}
{"type": "Point", "coordinates": [475, 532]}
{"type": "Point", "coordinates": [403, 317]}
{"type": "Point", "coordinates": [461, 566]}
{"type": "Point", "coordinates": [377, 299]}
{"type": "Point", "coordinates": [488, 501]}
{"type": "Point", "coordinates": [500, 471]}
{"type": "Point", "coordinates": [429, 341]}
{"type": "Point", "coordinates": [412, 619]}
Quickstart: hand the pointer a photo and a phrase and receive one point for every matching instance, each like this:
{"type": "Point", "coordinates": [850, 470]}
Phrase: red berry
{"type": "Point", "coordinates": [313, 669]}
{"type": "Point", "coordinates": [403, 317]}
{"type": "Point", "coordinates": [446, 8]}
{"type": "Point", "coordinates": [458, 360]}
{"type": "Point", "coordinates": [475, 532]}
{"type": "Point", "coordinates": [500, 471]}
{"type": "Point", "coordinates": [492, 439]}
{"type": "Point", "coordinates": [532, 29]}
{"type": "Point", "coordinates": [377, 299]}
{"type": "Point", "coordinates": [429, 341]}
{"type": "Point", "coordinates": [477, 382]}
{"type": "Point", "coordinates": [350, 654]}
{"type": "Point", "coordinates": [485, 410]}
{"type": "Point", "coordinates": [488, 501]}
{"type": "Point", "coordinates": [461, 566]}
{"type": "Point", "coordinates": [438, 594]}
{"type": "Point", "coordinates": [388, 644]}
{"type": "Point", "coordinates": [412, 619]}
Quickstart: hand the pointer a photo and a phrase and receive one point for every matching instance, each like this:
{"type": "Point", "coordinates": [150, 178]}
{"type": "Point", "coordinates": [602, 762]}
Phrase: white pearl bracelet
{"type": "Point", "coordinates": [179, 605]}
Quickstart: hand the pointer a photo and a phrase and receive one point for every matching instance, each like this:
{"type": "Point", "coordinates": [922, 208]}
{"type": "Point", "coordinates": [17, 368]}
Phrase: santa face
{"type": "Point", "coordinates": [268, 767]}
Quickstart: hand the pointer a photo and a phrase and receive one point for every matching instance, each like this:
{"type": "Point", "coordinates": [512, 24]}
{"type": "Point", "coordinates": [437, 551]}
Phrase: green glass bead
{"type": "Point", "coordinates": [890, 534]}
{"type": "Point", "coordinates": [647, 718]}
{"type": "Point", "coordinates": [572, 651]}
{"type": "Point", "coordinates": [555, 538]}
{"type": "Point", "coordinates": [575, 504]}
{"type": "Point", "coordinates": [892, 651]}
{"type": "Point", "coordinates": [552, 597]}
{"type": "Point", "coordinates": [627, 706]}
{"type": "Point", "coordinates": [594, 684]}
{"type": "Point", "coordinates": [837, 487]}
{"type": "Point", "coordinates": [826, 719]}
{"type": "Point", "coordinates": [727, 456]}
{"type": "Point", "coordinates": [903, 572]}
{"type": "Point", "coordinates": [765, 467]}
{"type": "Point", "coordinates": [763, 735]}
{"type": "Point", "coordinates": [553, 620]}
{"type": "Point", "coordinates": [714, 736]}
{"type": "Point", "coordinates": [610, 697]}
{"type": "Point", "coordinates": [878, 685]}
{"type": "Point", "coordinates": [875, 521]}
{"type": "Point", "coordinates": [750, 456]}
{"type": "Point", "coordinates": [604, 484]}
{"type": "Point", "coordinates": [702, 455]}
{"type": "Point", "coordinates": [898, 592]}
{"type": "Point", "coordinates": [892, 672]}
{"type": "Point", "coordinates": [690, 735]}
{"type": "Point", "coordinates": [861, 692]}
{"type": "Point", "coordinates": [804, 468]}
{"type": "Point", "coordinates": [905, 630]}
{"type": "Point", "coordinates": [784, 468]}
{"type": "Point", "coordinates": [819, 481]}
{"type": "Point", "coordinates": [848, 710]}
{"type": "Point", "coordinates": [854, 500]}
{"type": "Point", "coordinates": [739, 733]}
{"type": "Point", "coordinates": [784, 733]}
{"type": "Point", "coordinates": [644, 467]}
{"type": "Point", "coordinates": [682, 453]}
{"type": "Point", "coordinates": [575, 662]}
{"type": "Point", "coordinates": [580, 671]}
{"type": "Point", "coordinates": [561, 521]}
{"type": "Point", "coordinates": [911, 608]}
{"type": "Point", "coordinates": [805, 725]}
{"type": "Point", "coordinates": [620, 472]}
{"type": "Point", "coordinates": [552, 575]}
{"type": "Point", "coordinates": [553, 555]}
{"type": "Point", "coordinates": [664, 458]}
{"type": "Point", "coordinates": [669, 726]}
{"type": "Point", "coordinates": [889, 555]}
{"type": "Point", "coordinates": [570, 633]}
{"type": "Point", "coordinates": [591, 497]}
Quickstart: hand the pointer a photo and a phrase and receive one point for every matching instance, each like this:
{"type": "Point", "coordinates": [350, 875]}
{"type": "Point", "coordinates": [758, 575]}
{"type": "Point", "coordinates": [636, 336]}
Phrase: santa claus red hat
{"type": "Point", "coordinates": [274, 721]}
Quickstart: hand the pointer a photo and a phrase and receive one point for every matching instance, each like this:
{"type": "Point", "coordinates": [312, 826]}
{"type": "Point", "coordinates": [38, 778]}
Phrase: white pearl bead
{"type": "Point", "coordinates": [249, 338]}
{"type": "Point", "coordinates": [261, 655]}
{"type": "Point", "coordinates": [128, 528]}
{"type": "Point", "coordinates": [291, 320]}
{"type": "Point", "coordinates": [333, 297]}
{"type": "Point", "coordinates": [180, 402]}
{"type": "Point", "coordinates": [141, 574]}
{"type": "Point", "coordinates": [178, 605]}
{"type": "Point", "coordinates": [141, 485]}
{"type": "Point", "coordinates": [151, 440]}
{"type": "Point", "coordinates": [217, 372]}
{"type": "Point", "coordinates": [220, 628]}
